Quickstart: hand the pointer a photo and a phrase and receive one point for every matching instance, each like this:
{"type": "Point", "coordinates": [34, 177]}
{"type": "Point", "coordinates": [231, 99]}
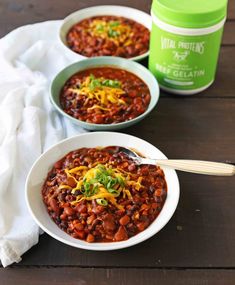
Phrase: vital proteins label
{"type": "Point", "coordinates": [183, 62]}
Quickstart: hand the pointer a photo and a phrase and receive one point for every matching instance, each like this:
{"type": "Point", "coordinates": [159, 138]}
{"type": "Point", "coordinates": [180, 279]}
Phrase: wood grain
{"type": "Point", "coordinates": [229, 32]}
{"type": "Point", "coordinates": [191, 129]}
{"type": "Point", "coordinates": [231, 9]}
{"type": "Point", "coordinates": [22, 12]}
{"type": "Point", "coordinates": [201, 233]}
{"type": "Point", "coordinates": [85, 276]}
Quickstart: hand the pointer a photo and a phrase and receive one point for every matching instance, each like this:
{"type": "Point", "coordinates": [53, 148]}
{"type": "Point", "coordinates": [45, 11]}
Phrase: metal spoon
{"type": "Point", "coordinates": [194, 166]}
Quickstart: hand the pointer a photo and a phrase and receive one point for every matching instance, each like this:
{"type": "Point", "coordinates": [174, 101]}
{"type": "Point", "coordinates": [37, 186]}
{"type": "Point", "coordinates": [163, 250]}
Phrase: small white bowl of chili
{"type": "Point", "coordinates": [55, 206]}
{"type": "Point", "coordinates": [106, 31]}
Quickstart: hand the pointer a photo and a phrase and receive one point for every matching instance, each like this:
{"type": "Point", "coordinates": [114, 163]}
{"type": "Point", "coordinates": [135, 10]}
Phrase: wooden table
{"type": "Point", "coordinates": [198, 244]}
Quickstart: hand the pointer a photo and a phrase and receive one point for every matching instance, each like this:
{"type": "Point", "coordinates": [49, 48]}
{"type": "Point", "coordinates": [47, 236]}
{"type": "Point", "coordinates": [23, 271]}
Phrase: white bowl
{"type": "Point", "coordinates": [109, 10]}
{"type": "Point", "coordinates": [41, 167]}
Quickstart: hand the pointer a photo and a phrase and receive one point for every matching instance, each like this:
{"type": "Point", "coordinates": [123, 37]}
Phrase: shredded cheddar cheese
{"type": "Point", "coordinates": [105, 91]}
{"type": "Point", "coordinates": [114, 31]}
{"type": "Point", "coordinates": [102, 183]}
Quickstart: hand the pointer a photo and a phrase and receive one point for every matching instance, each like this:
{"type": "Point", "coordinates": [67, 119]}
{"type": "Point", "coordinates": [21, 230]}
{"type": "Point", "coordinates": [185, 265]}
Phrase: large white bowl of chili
{"type": "Point", "coordinates": [123, 233]}
{"type": "Point", "coordinates": [107, 30]}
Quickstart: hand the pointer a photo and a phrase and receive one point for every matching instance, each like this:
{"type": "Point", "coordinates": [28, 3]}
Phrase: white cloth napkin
{"type": "Point", "coordinates": [30, 57]}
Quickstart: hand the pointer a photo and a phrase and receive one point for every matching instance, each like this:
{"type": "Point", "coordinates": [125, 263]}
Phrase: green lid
{"type": "Point", "coordinates": [190, 13]}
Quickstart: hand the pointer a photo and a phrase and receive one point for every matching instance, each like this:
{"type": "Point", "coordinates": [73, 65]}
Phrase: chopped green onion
{"type": "Point", "coordinates": [100, 27]}
{"type": "Point", "coordinates": [120, 181]}
{"type": "Point", "coordinates": [88, 189]}
{"type": "Point", "coordinates": [114, 24]}
{"type": "Point", "coordinates": [99, 82]}
{"type": "Point", "coordinates": [112, 33]}
{"type": "Point", "coordinates": [93, 181]}
{"type": "Point", "coordinates": [94, 82]}
{"type": "Point", "coordinates": [111, 83]}
{"type": "Point", "coordinates": [113, 191]}
{"type": "Point", "coordinates": [102, 202]}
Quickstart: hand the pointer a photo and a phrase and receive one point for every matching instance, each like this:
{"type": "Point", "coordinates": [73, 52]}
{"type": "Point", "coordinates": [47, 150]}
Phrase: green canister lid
{"type": "Point", "coordinates": [190, 13]}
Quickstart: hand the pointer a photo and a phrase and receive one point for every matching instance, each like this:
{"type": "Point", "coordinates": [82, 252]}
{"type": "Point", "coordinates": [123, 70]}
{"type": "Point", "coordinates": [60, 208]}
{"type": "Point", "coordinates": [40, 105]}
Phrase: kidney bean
{"type": "Point", "coordinates": [109, 222]}
{"type": "Point", "coordinates": [132, 167]}
{"type": "Point", "coordinates": [98, 119]}
{"type": "Point", "coordinates": [58, 164]}
{"type": "Point", "coordinates": [96, 223]}
{"type": "Point", "coordinates": [51, 183]}
{"type": "Point", "coordinates": [79, 226]}
{"type": "Point", "coordinates": [141, 226]}
{"type": "Point", "coordinates": [109, 237]}
{"type": "Point", "coordinates": [90, 219]}
{"type": "Point", "coordinates": [98, 209]}
{"type": "Point", "coordinates": [90, 238]}
{"type": "Point", "coordinates": [124, 220]}
{"type": "Point", "coordinates": [144, 170]}
{"type": "Point", "coordinates": [54, 205]}
{"type": "Point", "coordinates": [158, 192]}
{"type": "Point", "coordinates": [144, 207]}
{"type": "Point", "coordinates": [121, 234]}
{"type": "Point", "coordinates": [69, 211]}
{"type": "Point", "coordinates": [80, 234]}
{"type": "Point", "coordinates": [92, 42]}
{"type": "Point", "coordinates": [154, 205]}
{"type": "Point", "coordinates": [71, 182]}
{"type": "Point", "coordinates": [63, 216]}
{"type": "Point", "coordinates": [130, 49]}
{"type": "Point", "coordinates": [69, 198]}
{"type": "Point", "coordinates": [61, 197]}
{"type": "Point", "coordinates": [88, 50]}
{"type": "Point", "coordinates": [120, 212]}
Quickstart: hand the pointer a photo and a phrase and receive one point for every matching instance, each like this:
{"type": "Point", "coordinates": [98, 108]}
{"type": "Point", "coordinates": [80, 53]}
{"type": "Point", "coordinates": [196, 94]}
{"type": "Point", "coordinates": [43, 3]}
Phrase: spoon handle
{"type": "Point", "coordinates": [198, 166]}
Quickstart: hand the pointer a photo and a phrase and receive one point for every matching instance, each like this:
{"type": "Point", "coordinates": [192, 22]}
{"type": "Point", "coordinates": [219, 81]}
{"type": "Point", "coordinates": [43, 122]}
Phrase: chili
{"type": "Point", "coordinates": [104, 95]}
{"type": "Point", "coordinates": [101, 195]}
{"type": "Point", "coordinates": [108, 35]}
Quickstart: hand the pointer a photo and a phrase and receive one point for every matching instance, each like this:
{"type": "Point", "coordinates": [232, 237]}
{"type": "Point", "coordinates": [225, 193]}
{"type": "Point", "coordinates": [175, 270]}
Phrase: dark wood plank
{"type": "Point", "coordinates": [229, 33]}
{"type": "Point", "coordinates": [78, 276]}
{"type": "Point", "coordinates": [22, 12]}
{"type": "Point", "coordinates": [231, 9]}
{"type": "Point", "coordinates": [224, 84]}
{"type": "Point", "coordinates": [201, 233]}
{"type": "Point", "coordinates": [195, 129]}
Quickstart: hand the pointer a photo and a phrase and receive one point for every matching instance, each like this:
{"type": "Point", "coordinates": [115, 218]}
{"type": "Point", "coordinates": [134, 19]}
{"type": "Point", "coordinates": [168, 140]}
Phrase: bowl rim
{"type": "Point", "coordinates": [120, 60]}
{"type": "Point", "coordinates": [144, 235]}
{"type": "Point", "coordinates": [96, 8]}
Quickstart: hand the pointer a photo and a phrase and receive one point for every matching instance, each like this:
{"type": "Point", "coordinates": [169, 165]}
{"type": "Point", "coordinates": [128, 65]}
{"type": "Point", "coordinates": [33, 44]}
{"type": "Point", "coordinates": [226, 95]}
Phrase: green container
{"type": "Point", "coordinates": [185, 42]}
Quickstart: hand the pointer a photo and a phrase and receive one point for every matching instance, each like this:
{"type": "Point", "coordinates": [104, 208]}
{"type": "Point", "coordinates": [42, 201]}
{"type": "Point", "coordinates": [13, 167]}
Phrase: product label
{"type": "Point", "coordinates": [183, 62]}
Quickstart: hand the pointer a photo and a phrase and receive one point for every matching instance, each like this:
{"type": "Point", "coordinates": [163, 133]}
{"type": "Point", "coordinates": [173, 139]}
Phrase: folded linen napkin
{"type": "Point", "coordinates": [30, 57]}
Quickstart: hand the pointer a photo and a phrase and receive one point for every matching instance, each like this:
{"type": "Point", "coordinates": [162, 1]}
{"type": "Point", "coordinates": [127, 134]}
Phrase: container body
{"type": "Point", "coordinates": [185, 42]}
{"type": "Point", "coordinates": [184, 63]}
